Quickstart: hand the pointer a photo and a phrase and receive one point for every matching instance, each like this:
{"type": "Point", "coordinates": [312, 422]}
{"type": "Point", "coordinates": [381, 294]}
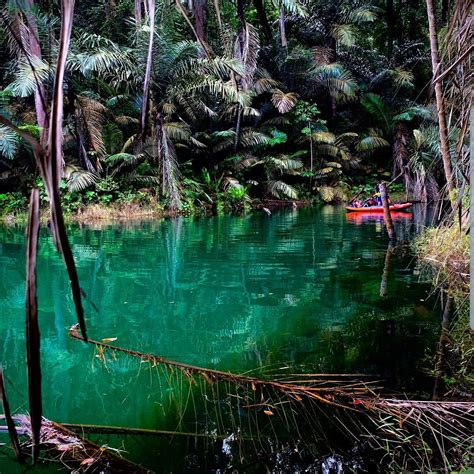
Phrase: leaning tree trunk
{"type": "Point", "coordinates": [386, 212]}
{"type": "Point", "coordinates": [35, 53]}
{"type": "Point", "coordinates": [240, 54]}
{"type": "Point", "coordinates": [147, 79]}
{"type": "Point", "coordinates": [435, 64]}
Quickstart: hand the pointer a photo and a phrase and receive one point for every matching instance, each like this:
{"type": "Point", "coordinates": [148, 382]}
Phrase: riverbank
{"type": "Point", "coordinates": [444, 254]}
{"type": "Point", "coordinates": [14, 208]}
{"type": "Point", "coordinates": [138, 212]}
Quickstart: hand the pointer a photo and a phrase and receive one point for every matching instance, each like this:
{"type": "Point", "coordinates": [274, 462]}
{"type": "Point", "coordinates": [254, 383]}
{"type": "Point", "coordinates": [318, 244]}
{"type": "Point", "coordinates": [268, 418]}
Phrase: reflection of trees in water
{"type": "Point", "coordinates": [229, 292]}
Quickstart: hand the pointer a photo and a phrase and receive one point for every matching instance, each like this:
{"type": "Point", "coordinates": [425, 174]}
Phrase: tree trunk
{"type": "Point", "coordinates": [35, 52]}
{"type": "Point", "coordinates": [199, 10]}
{"type": "Point", "coordinates": [386, 269]}
{"type": "Point", "coordinates": [283, 39]}
{"type": "Point", "coordinates": [149, 61]}
{"type": "Point", "coordinates": [137, 12]}
{"type": "Point", "coordinates": [241, 24]}
{"type": "Point", "coordinates": [241, 46]}
{"type": "Point", "coordinates": [386, 212]}
{"type": "Point", "coordinates": [435, 64]}
{"type": "Point", "coordinates": [262, 18]}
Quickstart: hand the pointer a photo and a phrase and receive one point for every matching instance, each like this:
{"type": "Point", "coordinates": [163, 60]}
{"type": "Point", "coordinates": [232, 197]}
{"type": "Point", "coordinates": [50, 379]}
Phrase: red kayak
{"type": "Point", "coordinates": [393, 207]}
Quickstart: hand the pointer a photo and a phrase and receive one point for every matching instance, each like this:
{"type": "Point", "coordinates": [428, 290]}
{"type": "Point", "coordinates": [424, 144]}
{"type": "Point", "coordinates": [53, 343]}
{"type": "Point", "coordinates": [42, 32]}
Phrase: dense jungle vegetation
{"type": "Point", "coordinates": [219, 105]}
{"type": "Point", "coordinates": [121, 108]}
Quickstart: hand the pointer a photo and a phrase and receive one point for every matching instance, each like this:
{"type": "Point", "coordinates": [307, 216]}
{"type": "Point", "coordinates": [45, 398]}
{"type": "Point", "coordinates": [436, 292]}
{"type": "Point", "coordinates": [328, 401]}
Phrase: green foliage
{"type": "Point", "coordinates": [250, 120]}
{"type": "Point", "coordinates": [12, 203]}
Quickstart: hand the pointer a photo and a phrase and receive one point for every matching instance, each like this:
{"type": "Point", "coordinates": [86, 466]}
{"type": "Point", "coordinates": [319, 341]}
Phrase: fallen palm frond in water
{"type": "Point", "coordinates": [426, 433]}
{"type": "Point", "coordinates": [324, 409]}
{"type": "Point", "coordinates": [312, 388]}
{"type": "Point", "coordinates": [76, 453]}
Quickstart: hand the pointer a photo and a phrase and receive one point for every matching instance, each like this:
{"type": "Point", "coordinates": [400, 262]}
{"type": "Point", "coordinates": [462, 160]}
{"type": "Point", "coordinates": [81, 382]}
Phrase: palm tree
{"type": "Point", "coordinates": [443, 131]}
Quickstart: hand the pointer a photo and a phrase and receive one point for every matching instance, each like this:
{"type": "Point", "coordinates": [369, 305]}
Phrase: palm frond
{"type": "Point", "coordinates": [9, 142]}
{"type": "Point", "coordinates": [371, 143]}
{"type": "Point", "coordinates": [177, 131]}
{"type": "Point", "coordinates": [362, 14]}
{"type": "Point", "coordinates": [280, 190]}
{"type": "Point", "coordinates": [345, 34]}
{"type": "Point", "coordinates": [284, 102]}
{"type": "Point", "coordinates": [403, 77]}
{"type": "Point", "coordinates": [250, 138]}
{"type": "Point", "coordinates": [27, 75]}
{"type": "Point", "coordinates": [78, 179]}
{"type": "Point", "coordinates": [323, 137]}
{"type": "Point", "coordinates": [375, 105]}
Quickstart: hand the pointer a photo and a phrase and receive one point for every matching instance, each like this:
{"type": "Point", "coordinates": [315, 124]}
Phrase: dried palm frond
{"type": "Point", "coordinates": [429, 432]}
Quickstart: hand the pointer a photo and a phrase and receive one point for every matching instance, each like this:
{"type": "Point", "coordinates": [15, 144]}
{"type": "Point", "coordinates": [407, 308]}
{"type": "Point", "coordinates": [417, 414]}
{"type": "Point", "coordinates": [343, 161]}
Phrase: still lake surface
{"type": "Point", "coordinates": [297, 289]}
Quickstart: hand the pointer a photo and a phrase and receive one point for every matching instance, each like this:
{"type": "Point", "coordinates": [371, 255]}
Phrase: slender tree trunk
{"type": "Point", "coordinates": [35, 52]}
{"type": "Point", "coordinates": [205, 48]}
{"type": "Point", "coordinates": [386, 212]}
{"type": "Point", "coordinates": [241, 46]}
{"type": "Point", "coordinates": [390, 17]}
{"type": "Point", "coordinates": [332, 45]}
{"type": "Point", "coordinates": [137, 12]}
{"type": "Point", "coordinates": [443, 131]}
{"type": "Point", "coordinates": [283, 39]}
{"type": "Point", "coordinates": [262, 18]}
{"type": "Point", "coordinates": [149, 61]}
{"type": "Point", "coordinates": [238, 125]}
{"type": "Point", "coordinates": [199, 9]}
{"type": "Point", "coordinates": [241, 24]}
{"type": "Point", "coordinates": [386, 269]}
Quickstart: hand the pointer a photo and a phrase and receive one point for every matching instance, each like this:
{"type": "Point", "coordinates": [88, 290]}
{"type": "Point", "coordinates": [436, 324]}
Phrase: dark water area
{"type": "Point", "coordinates": [297, 292]}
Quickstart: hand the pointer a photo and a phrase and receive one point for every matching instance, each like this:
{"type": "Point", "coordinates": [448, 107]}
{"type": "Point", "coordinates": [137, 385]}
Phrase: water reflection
{"type": "Point", "coordinates": [233, 293]}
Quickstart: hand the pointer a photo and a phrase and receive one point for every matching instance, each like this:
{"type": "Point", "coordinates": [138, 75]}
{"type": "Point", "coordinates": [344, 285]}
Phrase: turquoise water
{"type": "Point", "coordinates": [297, 289]}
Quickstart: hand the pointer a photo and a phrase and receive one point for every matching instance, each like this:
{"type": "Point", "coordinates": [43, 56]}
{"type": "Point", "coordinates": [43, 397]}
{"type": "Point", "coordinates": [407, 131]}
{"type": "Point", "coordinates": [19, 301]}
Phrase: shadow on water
{"type": "Point", "coordinates": [308, 291]}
